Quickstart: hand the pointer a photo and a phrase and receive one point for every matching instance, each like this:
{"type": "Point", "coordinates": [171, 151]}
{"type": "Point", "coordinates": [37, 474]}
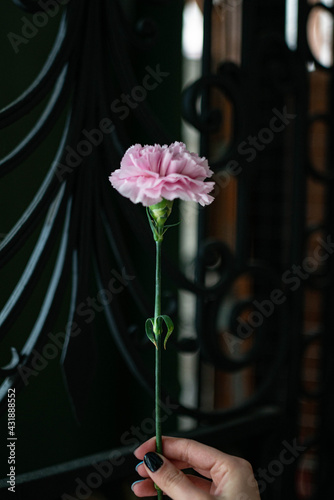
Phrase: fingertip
{"type": "Point", "coordinates": [143, 488]}
{"type": "Point", "coordinates": [136, 451]}
{"type": "Point", "coordinates": [142, 449]}
{"type": "Point", "coordinates": [133, 485]}
{"type": "Point", "coordinates": [136, 482]}
{"type": "Point", "coordinates": [138, 465]}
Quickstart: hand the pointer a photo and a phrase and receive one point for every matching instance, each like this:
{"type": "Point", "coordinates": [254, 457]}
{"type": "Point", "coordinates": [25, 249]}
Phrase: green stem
{"type": "Point", "coordinates": [158, 395]}
{"type": "Point", "coordinates": [158, 336]}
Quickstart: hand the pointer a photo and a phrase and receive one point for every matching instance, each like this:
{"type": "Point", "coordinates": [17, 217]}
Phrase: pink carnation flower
{"type": "Point", "coordinates": [149, 174]}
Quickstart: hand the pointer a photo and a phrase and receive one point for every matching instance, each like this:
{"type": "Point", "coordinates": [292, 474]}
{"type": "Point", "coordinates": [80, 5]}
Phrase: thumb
{"type": "Point", "coordinates": [171, 480]}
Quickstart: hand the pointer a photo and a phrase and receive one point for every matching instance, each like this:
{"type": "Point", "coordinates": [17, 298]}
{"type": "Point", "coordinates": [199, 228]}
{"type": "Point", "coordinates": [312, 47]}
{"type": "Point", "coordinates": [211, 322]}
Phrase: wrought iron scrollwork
{"type": "Point", "coordinates": [228, 81]}
{"type": "Point", "coordinates": [13, 365]}
{"type": "Point", "coordinates": [30, 6]}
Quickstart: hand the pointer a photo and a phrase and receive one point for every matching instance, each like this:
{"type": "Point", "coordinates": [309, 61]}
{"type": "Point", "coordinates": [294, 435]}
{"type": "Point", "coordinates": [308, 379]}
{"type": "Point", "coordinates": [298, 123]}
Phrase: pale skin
{"type": "Point", "coordinates": [225, 477]}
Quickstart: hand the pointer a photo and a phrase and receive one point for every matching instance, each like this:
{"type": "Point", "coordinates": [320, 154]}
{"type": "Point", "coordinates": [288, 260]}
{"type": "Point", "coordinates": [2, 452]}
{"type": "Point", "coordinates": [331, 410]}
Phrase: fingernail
{"type": "Point", "coordinates": [153, 461]}
{"type": "Point", "coordinates": [136, 482]}
{"type": "Point", "coordinates": [138, 465]}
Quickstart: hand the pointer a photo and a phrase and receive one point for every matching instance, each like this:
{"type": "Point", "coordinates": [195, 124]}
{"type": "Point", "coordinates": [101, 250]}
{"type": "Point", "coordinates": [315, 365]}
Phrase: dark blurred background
{"type": "Point", "coordinates": [247, 281]}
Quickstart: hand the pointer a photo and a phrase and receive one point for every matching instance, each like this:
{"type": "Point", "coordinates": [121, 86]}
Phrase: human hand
{"type": "Point", "coordinates": [228, 477]}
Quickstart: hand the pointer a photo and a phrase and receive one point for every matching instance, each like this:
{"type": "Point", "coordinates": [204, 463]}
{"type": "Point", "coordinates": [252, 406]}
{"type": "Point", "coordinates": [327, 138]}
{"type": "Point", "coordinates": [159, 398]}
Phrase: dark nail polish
{"type": "Point", "coordinates": [153, 461]}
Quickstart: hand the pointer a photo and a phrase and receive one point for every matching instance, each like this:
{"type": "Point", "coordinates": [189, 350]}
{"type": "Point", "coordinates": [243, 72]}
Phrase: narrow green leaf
{"type": "Point", "coordinates": [152, 226]}
{"type": "Point", "coordinates": [170, 327]}
{"type": "Point", "coordinates": [170, 225]}
{"type": "Point", "coordinates": [173, 225]}
{"type": "Point", "coordinates": [149, 330]}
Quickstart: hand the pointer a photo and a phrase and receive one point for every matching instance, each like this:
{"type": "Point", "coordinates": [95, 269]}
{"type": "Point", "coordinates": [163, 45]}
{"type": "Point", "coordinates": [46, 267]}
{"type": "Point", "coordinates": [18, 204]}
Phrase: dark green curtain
{"type": "Point", "coordinates": [46, 429]}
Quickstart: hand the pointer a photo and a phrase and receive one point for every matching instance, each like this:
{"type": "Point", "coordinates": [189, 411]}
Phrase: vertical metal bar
{"type": "Point", "coordinates": [204, 151]}
{"type": "Point", "coordinates": [326, 433]}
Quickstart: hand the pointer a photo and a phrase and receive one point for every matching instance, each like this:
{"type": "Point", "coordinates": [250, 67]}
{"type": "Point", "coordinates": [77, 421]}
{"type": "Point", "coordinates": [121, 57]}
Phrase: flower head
{"type": "Point", "coordinates": [149, 174]}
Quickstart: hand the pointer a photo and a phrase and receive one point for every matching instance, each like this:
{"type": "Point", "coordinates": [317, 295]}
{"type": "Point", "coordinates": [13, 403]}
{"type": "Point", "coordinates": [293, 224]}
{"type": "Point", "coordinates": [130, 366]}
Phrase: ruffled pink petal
{"type": "Point", "coordinates": [150, 173]}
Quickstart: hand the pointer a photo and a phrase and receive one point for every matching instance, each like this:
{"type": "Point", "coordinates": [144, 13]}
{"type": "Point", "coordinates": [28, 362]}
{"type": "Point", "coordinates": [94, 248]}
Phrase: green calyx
{"type": "Point", "coordinates": [157, 215]}
{"type": "Point", "coordinates": [161, 211]}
